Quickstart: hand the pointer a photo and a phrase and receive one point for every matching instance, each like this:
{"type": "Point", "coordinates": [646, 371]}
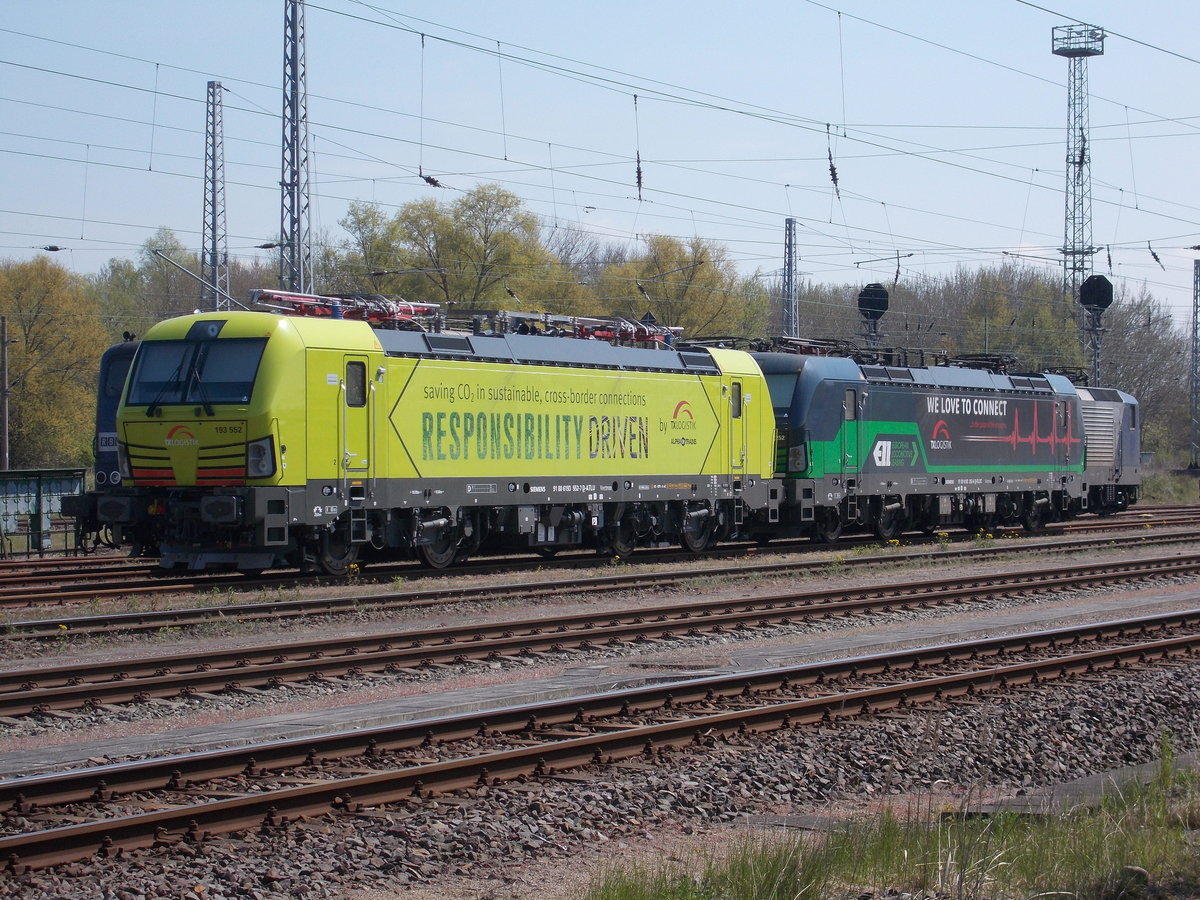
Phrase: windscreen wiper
{"type": "Point", "coordinates": [198, 386]}
{"type": "Point", "coordinates": [172, 385]}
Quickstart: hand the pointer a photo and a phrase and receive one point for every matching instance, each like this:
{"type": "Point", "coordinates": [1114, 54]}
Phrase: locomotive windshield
{"type": "Point", "coordinates": [189, 371]}
{"type": "Point", "coordinates": [114, 377]}
{"type": "Point", "coordinates": [781, 387]}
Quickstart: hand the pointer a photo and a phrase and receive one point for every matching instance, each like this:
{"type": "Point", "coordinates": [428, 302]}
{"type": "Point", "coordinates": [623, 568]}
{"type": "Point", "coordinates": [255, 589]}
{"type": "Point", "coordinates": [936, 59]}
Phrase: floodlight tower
{"type": "Point", "coordinates": [295, 250]}
{"type": "Point", "coordinates": [791, 312]}
{"type": "Point", "coordinates": [1077, 43]}
{"type": "Point", "coordinates": [214, 252]}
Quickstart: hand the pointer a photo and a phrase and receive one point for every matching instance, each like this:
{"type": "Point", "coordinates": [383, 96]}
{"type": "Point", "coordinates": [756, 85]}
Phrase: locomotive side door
{"type": "Point", "coordinates": [737, 429]}
{"type": "Point", "coordinates": [850, 432]}
{"type": "Point", "coordinates": [355, 417]}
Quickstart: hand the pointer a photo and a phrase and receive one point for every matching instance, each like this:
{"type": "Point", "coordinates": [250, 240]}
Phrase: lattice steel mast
{"type": "Point", "coordinates": [791, 312]}
{"type": "Point", "coordinates": [1077, 43]}
{"type": "Point", "coordinates": [214, 252]}
{"type": "Point", "coordinates": [1195, 385]}
{"type": "Point", "coordinates": [295, 251]}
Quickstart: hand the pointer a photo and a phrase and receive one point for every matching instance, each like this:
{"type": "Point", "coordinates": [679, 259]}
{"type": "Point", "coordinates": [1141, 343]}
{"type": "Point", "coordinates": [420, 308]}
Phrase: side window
{"type": "Point", "coordinates": [115, 377]}
{"type": "Point", "coordinates": [736, 399]}
{"type": "Point", "coordinates": [1133, 417]}
{"type": "Point", "coordinates": [356, 384]}
{"type": "Point", "coordinates": [850, 405]}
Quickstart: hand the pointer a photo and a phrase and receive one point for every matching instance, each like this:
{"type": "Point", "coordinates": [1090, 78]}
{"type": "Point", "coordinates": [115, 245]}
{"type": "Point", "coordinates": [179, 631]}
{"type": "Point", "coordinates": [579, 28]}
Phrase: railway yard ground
{"type": "Point", "coordinates": [1029, 741]}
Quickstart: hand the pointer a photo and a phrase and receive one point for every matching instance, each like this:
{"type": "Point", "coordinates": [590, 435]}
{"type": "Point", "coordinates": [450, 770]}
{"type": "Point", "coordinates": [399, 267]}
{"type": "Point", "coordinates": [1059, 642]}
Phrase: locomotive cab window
{"type": "Point", "coordinates": [736, 399]}
{"type": "Point", "coordinates": [356, 384]}
{"type": "Point", "coordinates": [850, 405]}
{"type": "Point", "coordinates": [195, 371]}
{"type": "Point", "coordinates": [114, 378]}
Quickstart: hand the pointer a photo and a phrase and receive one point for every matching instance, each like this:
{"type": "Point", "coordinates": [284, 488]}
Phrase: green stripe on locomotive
{"type": "Point", "coordinates": [905, 452]}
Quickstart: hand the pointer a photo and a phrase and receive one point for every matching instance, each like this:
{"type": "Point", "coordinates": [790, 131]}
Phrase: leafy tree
{"type": "Point", "coordinates": [134, 295]}
{"type": "Point", "coordinates": [166, 291]}
{"type": "Point", "coordinates": [53, 358]}
{"type": "Point", "coordinates": [477, 251]}
{"type": "Point", "coordinates": [374, 246]}
{"type": "Point", "coordinates": [1144, 354]}
{"type": "Point", "coordinates": [692, 285]}
{"type": "Point", "coordinates": [117, 289]}
{"type": "Point", "coordinates": [245, 277]}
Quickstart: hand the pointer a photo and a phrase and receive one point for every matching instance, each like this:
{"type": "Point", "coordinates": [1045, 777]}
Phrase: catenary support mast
{"type": "Point", "coordinates": [1194, 406]}
{"type": "Point", "coordinates": [791, 312]}
{"type": "Point", "coordinates": [295, 250]}
{"type": "Point", "coordinates": [214, 253]}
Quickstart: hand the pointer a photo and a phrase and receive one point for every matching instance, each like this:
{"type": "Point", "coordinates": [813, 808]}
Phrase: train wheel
{"type": "Point", "coordinates": [828, 527]}
{"type": "Point", "coordinates": [1034, 519]}
{"type": "Point", "coordinates": [697, 533]}
{"type": "Point", "coordinates": [622, 539]}
{"type": "Point", "coordinates": [889, 524]}
{"type": "Point", "coordinates": [337, 553]}
{"type": "Point", "coordinates": [440, 554]}
{"type": "Point", "coordinates": [619, 537]}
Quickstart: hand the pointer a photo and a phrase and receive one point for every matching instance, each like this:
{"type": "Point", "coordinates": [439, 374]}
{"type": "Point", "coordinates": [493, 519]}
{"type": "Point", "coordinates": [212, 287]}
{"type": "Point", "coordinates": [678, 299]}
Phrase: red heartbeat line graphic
{"type": "Point", "coordinates": [1033, 439]}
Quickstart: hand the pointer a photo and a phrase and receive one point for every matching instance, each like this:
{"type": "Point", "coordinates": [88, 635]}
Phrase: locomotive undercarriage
{"type": "Point", "coordinates": [887, 516]}
{"type": "Point", "coordinates": [242, 529]}
{"type": "Point", "coordinates": [441, 536]}
{"type": "Point", "coordinates": [181, 531]}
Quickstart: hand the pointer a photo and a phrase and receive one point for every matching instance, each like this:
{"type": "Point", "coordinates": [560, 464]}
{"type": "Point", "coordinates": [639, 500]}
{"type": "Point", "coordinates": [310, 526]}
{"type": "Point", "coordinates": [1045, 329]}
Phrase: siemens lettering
{"type": "Point", "coordinates": [465, 435]}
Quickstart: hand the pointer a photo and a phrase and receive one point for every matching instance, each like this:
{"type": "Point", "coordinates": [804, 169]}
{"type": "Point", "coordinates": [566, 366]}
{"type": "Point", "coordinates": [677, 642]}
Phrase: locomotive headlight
{"type": "Point", "coordinates": [797, 458]}
{"type": "Point", "coordinates": [123, 463]}
{"type": "Point", "coordinates": [260, 458]}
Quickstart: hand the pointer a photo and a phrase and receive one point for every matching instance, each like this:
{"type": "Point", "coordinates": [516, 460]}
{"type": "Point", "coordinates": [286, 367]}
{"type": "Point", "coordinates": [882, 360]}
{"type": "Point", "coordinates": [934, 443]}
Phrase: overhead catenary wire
{"type": "Point", "coordinates": [690, 212]}
{"type": "Point", "coordinates": [909, 153]}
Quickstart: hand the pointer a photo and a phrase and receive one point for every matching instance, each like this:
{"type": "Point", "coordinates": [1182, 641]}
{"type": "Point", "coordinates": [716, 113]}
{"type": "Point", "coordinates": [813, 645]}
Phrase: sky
{"type": "Point", "coordinates": [944, 120]}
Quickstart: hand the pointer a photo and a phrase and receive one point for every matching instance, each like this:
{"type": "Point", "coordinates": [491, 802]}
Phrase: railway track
{"type": "Point", "coordinates": [61, 628]}
{"type": "Point", "coordinates": [61, 582]}
{"type": "Point", "coordinates": [92, 684]}
{"type": "Point", "coordinates": [52, 819]}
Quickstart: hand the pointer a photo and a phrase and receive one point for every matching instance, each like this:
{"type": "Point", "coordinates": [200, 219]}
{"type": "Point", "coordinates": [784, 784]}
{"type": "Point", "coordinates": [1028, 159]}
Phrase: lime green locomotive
{"type": "Point", "coordinates": [252, 440]}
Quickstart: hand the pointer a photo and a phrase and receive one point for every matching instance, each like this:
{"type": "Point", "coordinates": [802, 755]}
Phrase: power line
{"type": "Point", "coordinates": [667, 95]}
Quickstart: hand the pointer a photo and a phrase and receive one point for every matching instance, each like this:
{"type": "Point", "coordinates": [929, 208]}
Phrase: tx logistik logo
{"type": "Point", "coordinates": [180, 436]}
{"type": "Point", "coordinates": [941, 437]}
{"type": "Point", "coordinates": [682, 419]}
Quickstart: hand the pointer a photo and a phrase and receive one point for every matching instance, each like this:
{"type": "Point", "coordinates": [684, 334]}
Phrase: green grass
{"type": "Point", "coordinates": [1140, 843]}
{"type": "Point", "coordinates": [1160, 487]}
